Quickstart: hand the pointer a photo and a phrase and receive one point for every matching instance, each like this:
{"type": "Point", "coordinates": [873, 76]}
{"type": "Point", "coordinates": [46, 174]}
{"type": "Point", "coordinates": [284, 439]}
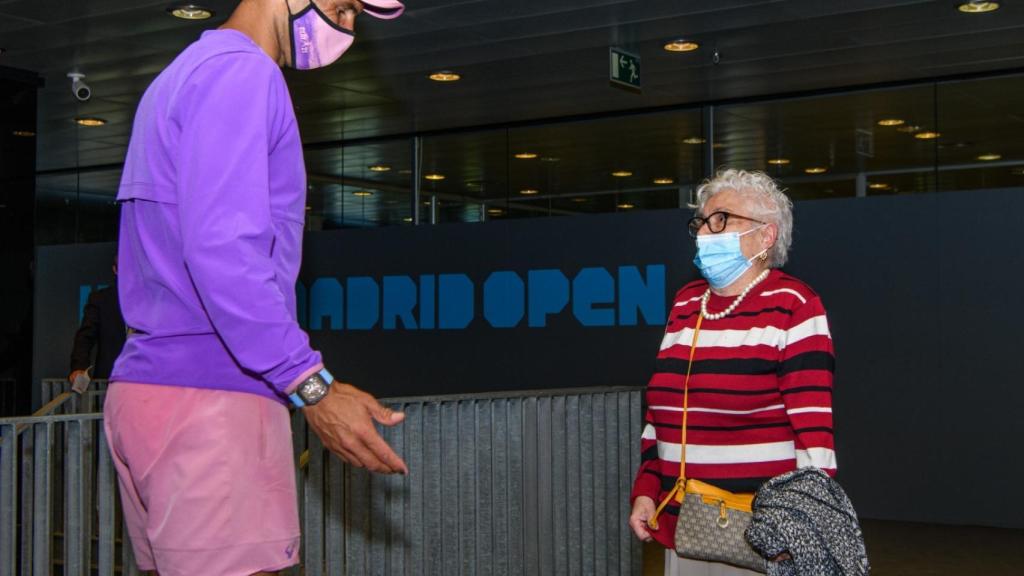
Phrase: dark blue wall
{"type": "Point", "coordinates": [921, 294]}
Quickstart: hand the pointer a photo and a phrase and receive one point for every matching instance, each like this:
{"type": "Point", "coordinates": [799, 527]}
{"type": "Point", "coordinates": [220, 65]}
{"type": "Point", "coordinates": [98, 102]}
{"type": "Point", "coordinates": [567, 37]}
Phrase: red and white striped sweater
{"type": "Point", "coordinates": [760, 392]}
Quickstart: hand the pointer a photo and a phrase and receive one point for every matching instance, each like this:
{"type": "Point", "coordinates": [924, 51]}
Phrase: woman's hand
{"type": "Point", "coordinates": [643, 510]}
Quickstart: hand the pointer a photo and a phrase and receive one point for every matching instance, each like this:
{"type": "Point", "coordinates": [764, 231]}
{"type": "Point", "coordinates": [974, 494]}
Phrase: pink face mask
{"type": "Point", "coordinates": [316, 40]}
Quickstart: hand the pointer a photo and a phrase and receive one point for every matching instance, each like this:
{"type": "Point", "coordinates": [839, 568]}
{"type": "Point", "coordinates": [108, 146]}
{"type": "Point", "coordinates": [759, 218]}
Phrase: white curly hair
{"type": "Point", "coordinates": [766, 200]}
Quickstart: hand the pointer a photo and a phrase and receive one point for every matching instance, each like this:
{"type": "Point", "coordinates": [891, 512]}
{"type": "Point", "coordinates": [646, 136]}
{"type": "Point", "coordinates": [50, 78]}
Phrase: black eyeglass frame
{"type": "Point", "coordinates": [693, 225]}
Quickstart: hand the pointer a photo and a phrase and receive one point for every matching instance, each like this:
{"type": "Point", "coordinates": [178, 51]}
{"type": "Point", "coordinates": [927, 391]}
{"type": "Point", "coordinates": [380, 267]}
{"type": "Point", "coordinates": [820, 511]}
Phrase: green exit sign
{"type": "Point", "coordinates": [625, 69]}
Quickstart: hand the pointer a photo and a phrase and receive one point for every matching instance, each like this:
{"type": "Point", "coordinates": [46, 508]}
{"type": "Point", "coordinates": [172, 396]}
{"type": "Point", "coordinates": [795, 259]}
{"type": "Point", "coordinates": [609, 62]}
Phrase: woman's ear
{"type": "Point", "coordinates": [771, 234]}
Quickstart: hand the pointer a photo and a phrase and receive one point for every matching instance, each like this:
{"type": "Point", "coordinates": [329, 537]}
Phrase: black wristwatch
{"type": "Point", "coordinates": [312, 389]}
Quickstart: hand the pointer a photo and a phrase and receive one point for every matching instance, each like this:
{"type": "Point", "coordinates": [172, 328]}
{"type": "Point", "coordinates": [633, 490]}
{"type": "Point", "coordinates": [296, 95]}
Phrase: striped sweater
{"type": "Point", "coordinates": [760, 392]}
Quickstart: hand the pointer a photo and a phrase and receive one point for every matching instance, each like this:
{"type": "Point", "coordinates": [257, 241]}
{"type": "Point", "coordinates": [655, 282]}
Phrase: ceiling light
{"type": "Point", "coordinates": [878, 186]}
{"type": "Point", "coordinates": [445, 76]}
{"type": "Point", "coordinates": [24, 133]}
{"type": "Point", "coordinates": [1018, 171]}
{"type": "Point", "coordinates": [434, 177]}
{"type": "Point", "coordinates": [718, 145]}
{"type": "Point", "coordinates": [625, 206]}
{"type": "Point", "coordinates": [662, 181]}
{"type": "Point", "coordinates": [580, 200]}
{"type": "Point", "coordinates": [978, 7]}
{"type": "Point", "coordinates": [908, 129]}
{"type": "Point", "coordinates": [309, 208]}
{"type": "Point", "coordinates": [891, 122]}
{"type": "Point", "coordinates": [694, 140]}
{"type": "Point", "coordinates": [379, 168]}
{"type": "Point", "coordinates": [989, 157]}
{"type": "Point", "coordinates": [778, 161]}
{"type": "Point", "coordinates": [681, 45]}
{"type": "Point", "coordinates": [189, 12]}
{"type": "Point", "coordinates": [622, 173]}
{"type": "Point", "coordinates": [495, 211]}
{"type": "Point", "coordinates": [362, 193]}
{"type": "Point", "coordinates": [526, 155]}
{"type": "Point", "coordinates": [90, 121]}
{"type": "Point", "coordinates": [816, 170]}
{"type": "Point", "coordinates": [529, 192]}
{"type": "Point", "coordinates": [407, 219]}
{"type": "Point", "coordinates": [550, 159]}
{"type": "Point", "coordinates": [927, 135]}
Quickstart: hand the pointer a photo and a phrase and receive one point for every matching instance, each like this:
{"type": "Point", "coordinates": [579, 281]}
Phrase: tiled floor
{"type": "Point", "coordinates": [909, 549]}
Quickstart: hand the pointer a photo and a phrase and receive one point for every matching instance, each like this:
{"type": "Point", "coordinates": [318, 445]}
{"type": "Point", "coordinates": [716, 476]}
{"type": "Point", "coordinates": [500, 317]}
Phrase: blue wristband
{"type": "Point", "coordinates": [297, 400]}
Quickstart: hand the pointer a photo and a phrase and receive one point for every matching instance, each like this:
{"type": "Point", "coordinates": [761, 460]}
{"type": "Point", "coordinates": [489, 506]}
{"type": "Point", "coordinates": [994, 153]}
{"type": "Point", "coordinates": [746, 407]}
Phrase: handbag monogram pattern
{"type": "Point", "coordinates": [712, 521]}
{"type": "Point", "coordinates": [700, 535]}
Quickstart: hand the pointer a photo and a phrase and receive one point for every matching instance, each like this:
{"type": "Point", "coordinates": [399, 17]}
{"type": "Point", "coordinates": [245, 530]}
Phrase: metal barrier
{"type": "Point", "coordinates": [532, 483]}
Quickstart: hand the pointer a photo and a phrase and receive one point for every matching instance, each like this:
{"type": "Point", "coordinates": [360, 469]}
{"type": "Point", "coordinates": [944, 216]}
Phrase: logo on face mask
{"type": "Point", "coordinates": [316, 40]}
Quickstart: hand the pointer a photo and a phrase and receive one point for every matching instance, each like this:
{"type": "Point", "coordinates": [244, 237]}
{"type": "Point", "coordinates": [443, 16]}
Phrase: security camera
{"type": "Point", "coordinates": [79, 88]}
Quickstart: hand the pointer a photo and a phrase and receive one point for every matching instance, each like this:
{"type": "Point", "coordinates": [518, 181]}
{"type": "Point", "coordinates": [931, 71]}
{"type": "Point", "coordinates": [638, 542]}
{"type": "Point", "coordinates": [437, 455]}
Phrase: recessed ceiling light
{"type": "Point", "coordinates": [434, 177]}
{"type": "Point", "coordinates": [978, 7]}
{"type": "Point", "coordinates": [362, 193]}
{"type": "Point", "coordinates": [495, 211]}
{"type": "Point", "coordinates": [407, 219]}
{"type": "Point", "coordinates": [189, 12]}
{"type": "Point", "coordinates": [625, 206]}
{"type": "Point", "coordinates": [379, 168]}
{"type": "Point", "coordinates": [24, 133]}
{"type": "Point", "coordinates": [580, 200]}
{"type": "Point", "coordinates": [927, 135]}
{"type": "Point", "coordinates": [694, 140]}
{"type": "Point", "coordinates": [1018, 171]}
{"type": "Point", "coordinates": [816, 170]}
{"type": "Point", "coordinates": [549, 159]}
{"type": "Point", "coordinates": [891, 122]}
{"type": "Point", "coordinates": [526, 155]}
{"type": "Point", "coordinates": [529, 191]}
{"type": "Point", "coordinates": [908, 129]}
{"type": "Point", "coordinates": [718, 145]}
{"type": "Point", "coordinates": [989, 157]}
{"type": "Point", "coordinates": [662, 181]}
{"type": "Point", "coordinates": [778, 161]}
{"type": "Point", "coordinates": [878, 186]}
{"type": "Point", "coordinates": [622, 173]}
{"type": "Point", "coordinates": [309, 208]}
{"type": "Point", "coordinates": [90, 121]}
{"type": "Point", "coordinates": [445, 76]}
{"type": "Point", "coordinates": [681, 45]}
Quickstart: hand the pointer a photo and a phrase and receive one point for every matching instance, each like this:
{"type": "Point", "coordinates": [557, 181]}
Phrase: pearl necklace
{"type": "Point", "coordinates": [707, 296]}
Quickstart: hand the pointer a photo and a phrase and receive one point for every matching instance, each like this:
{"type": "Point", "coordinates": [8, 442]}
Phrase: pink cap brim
{"type": "Point", "coordinates": [383, 9]}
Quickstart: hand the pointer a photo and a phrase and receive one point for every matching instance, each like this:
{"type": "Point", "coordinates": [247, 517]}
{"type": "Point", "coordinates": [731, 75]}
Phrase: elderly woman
{"type": "Point", "coordinates": [760, 387]}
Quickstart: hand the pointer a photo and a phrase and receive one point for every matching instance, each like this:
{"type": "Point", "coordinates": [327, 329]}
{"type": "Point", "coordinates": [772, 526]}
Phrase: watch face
{"type": "Point", "coordinates": [313, 389]}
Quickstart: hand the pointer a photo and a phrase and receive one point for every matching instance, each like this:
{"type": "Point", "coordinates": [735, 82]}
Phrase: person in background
{"type": "Point", "coordinates": [213, 198]}
{"type": "Point", "coordinates": [760, 390]}
{"type": "Point", "coordinates": [102, 330]}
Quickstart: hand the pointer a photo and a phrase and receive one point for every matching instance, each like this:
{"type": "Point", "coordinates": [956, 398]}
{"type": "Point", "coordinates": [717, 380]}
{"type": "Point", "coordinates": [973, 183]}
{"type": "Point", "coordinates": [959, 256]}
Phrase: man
{"type": "Point", "coordinates": [213, 204]}
{"type": "Point", "coordinates": [103, 329]}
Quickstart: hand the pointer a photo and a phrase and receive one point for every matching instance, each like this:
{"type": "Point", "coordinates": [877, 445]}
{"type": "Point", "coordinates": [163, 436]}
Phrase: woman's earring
{"type": "Point", "coordinates": [763, 257]}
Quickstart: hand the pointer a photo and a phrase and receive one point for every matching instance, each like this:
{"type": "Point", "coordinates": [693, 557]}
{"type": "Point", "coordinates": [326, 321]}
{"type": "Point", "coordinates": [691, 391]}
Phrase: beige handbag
{"type": "Point", "coordinates": [711, 521]}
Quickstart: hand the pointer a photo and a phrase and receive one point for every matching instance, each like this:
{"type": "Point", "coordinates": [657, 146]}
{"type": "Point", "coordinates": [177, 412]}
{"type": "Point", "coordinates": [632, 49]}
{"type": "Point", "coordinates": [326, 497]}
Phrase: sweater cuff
{"type": "Point", "coordinates": [302, 378]}
{"type": "Point", "coordinates": [646, 484]}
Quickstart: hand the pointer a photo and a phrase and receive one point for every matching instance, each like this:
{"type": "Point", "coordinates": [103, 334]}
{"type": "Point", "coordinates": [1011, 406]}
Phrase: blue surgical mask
{"type": "Point", "coordinates": [720, 259]}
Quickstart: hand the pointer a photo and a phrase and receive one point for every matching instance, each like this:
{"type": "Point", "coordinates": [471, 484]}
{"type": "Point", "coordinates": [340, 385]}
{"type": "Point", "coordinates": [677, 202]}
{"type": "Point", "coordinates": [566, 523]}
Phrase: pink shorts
{"type": "Point", "coordinates": [207, 479]}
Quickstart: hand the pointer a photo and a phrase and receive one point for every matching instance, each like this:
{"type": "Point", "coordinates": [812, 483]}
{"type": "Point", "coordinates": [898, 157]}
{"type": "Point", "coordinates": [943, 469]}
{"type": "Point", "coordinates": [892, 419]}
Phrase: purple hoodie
{"type": "Point", "coordinates": [213, 207]}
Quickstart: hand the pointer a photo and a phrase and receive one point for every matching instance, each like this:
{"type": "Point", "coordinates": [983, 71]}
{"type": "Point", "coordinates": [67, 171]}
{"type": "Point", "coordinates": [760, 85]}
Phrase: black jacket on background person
{"type": "Point", "coordinates": [102, 328]}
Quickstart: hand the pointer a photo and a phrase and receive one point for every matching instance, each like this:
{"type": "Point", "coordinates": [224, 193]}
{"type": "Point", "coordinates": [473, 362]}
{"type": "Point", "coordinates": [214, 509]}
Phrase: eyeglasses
{"type": "Point", "coordinates": [716, 222]}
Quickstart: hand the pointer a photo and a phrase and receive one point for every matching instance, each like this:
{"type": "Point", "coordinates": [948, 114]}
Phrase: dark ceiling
{"type": "Point", "coordinates": [519, 60]}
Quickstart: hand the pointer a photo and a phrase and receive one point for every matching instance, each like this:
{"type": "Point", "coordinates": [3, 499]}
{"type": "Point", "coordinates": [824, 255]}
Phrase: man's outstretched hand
{"type": "Point", "coordinates": [344, 422]}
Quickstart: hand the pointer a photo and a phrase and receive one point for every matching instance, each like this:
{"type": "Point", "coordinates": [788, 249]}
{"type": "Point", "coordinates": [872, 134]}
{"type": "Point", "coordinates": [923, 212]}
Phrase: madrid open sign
{"type": "Point", "coordinates": [624, 70]}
